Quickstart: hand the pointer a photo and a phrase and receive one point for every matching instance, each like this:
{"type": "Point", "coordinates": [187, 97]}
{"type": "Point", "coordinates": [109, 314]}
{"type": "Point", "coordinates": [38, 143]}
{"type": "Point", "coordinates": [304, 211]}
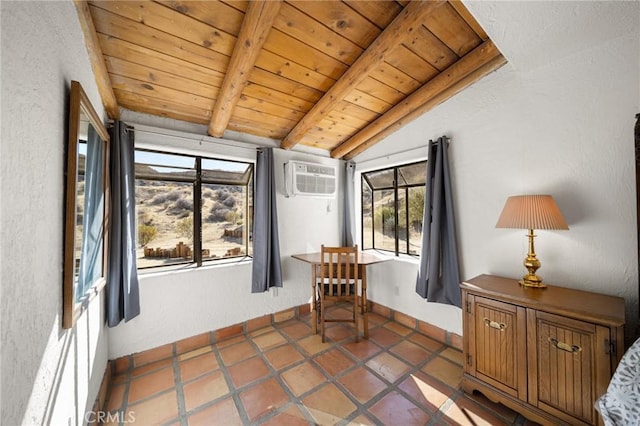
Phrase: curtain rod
{"type": "Point", "coordinates": [127, 127]}
{"type": "Point", "coordinates": [448, 139]}
{"type": "Point", "coordinates": [200, 139]}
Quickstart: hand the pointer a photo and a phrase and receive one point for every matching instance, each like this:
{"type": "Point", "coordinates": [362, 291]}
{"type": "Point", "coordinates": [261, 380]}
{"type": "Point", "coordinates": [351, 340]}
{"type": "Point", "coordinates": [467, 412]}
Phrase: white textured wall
{"type": "Point", "coordinates": [183, 303]}
{"type": "Point", "coordinates": [49, 375]}
{"type": "Point", "coordinates": [557, 119]}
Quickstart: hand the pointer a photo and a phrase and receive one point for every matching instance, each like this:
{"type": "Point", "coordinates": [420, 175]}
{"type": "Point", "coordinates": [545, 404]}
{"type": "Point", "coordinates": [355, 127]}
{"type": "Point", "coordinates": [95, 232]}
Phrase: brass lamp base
{"type": "Point", "coordinates": [532, 264]}
{"type": "Point", "coordinates": [532, 281]}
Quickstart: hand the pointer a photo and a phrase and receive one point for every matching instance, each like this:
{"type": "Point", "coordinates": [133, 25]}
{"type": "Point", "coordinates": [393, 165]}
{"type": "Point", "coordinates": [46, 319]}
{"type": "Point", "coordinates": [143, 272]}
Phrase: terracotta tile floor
{"type": "Point", "coordinates": [284, 375]}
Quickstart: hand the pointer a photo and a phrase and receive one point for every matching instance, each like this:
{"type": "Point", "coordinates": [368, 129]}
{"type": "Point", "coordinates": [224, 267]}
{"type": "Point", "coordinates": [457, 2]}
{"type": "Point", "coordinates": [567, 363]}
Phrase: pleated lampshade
{"type": "Point", "coordinates": [531, 212]}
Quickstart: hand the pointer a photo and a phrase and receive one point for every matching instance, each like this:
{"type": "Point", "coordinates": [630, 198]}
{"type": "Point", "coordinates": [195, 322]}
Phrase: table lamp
{"type": "Point", "coordinates": [531, 212]}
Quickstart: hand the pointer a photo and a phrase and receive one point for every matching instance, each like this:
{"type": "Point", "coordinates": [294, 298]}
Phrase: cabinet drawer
{"type": "Point", "coordinates": [563, 358]}
{"type": "Point", "coordinates": [498, 356]}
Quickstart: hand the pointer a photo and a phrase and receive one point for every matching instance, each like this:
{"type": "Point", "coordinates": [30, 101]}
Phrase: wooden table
{"type": "Point", "coordinates": [364, 259]}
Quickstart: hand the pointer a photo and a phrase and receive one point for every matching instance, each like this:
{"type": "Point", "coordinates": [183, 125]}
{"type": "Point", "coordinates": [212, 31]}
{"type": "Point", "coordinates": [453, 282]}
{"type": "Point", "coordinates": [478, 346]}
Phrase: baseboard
{"type": "Point", "coordinates": [450, 339]}
{"type": "Point", "coordinates": [101, 399]}
{"type": "Point", "coordinates": [129, 362]}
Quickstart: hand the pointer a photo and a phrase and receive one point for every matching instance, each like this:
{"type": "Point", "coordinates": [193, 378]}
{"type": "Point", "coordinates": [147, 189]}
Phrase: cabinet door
{"type": "Point", "coordinates": [497, 352]}
{"type": "Point", "coordinates": [566, 360]}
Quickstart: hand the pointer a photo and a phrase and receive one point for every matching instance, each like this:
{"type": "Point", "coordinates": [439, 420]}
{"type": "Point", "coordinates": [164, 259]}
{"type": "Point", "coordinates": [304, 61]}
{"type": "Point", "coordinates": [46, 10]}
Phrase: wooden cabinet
{"type": "Point", "coordinates": [546, 353]}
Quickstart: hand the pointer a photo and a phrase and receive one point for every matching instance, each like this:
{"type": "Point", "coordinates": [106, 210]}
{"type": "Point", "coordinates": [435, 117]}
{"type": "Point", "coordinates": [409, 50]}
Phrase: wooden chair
{"type": "Point", "coordinates": [338, 281]}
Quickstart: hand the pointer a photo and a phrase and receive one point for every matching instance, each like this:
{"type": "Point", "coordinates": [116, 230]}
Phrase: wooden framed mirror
{"type": "Point", "coordinates": [86, 207]}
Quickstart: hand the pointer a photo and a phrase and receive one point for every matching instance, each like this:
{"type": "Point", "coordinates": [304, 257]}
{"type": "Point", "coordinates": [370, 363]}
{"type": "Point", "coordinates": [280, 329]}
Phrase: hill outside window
{"type": "Point", "coordinates": [393, 207]}
{"type": "Point", "coordinates": [191, 209]}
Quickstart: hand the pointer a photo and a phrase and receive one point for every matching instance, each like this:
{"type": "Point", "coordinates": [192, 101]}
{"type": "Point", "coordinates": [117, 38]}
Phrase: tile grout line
{"type": "Point", "coordinates": [312, 358]}
{"type": "Point", "coordinates": [233, 393]}
{"type": "Point", "coordinates": [125, 397]}
{"type": "Point", "coordinates": [277, 375]}
{"type": "Point", "coordinates": [361, 408]}
{"type": "Point", "coordinates": [394, 386]}
{"type": "Point", "coordinates": [177, 377]}
{"type": "Point", "coordinates": [306, 358]}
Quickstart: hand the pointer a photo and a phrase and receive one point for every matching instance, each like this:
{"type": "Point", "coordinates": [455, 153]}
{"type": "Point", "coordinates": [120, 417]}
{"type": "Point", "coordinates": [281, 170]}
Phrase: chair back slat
{"type": "Point", "coordinates": [337, 280]}
{"type": "Point", "coordinates": [339, 270]}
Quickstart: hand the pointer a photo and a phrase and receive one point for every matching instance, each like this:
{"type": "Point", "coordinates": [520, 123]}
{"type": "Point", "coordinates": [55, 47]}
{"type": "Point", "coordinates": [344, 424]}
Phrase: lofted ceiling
{"type": "Point", "coordinates": [334, 75]}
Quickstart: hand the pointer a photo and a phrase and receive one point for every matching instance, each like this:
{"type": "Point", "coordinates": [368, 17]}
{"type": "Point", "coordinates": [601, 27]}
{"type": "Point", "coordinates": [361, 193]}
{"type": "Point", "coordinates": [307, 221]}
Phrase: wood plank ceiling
{"type": "Point", "coordinates": [336, 75]}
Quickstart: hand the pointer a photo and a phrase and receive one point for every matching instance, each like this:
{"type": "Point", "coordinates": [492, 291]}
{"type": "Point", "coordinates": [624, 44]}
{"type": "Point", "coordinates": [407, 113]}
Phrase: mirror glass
{"type": "Point", "coordinates": [86, 206]}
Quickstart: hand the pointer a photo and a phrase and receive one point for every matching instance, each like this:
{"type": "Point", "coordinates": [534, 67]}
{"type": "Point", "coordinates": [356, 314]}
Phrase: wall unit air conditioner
{"type": "Point", "coordinates": [310, 180]}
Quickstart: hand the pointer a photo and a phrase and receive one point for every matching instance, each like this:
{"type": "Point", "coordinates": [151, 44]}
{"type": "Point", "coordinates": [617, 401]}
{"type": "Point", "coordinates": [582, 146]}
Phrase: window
{"type": "Point", "coordinates": [392, 208]}
{"type": "Point", "coordinates": [191, 209]}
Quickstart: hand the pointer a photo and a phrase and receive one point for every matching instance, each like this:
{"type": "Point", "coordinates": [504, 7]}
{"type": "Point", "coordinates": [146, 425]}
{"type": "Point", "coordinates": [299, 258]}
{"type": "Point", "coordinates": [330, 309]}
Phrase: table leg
{"type": "Point", "coordinates": [314, 310]}
{"type": "Point", "coordinates": [365, 316]}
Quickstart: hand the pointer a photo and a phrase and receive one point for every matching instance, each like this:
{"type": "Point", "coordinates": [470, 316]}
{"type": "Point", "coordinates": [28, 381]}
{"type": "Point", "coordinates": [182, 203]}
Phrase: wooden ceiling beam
{"type": "Point", "coordinates": [400, 29]}
{"type": "Point", "coordinates": [487, 68]}
{"type": "Point", "coordinates": [96, 58]}
{"type": "Point", "coordinates": [472, 67]}
{"type": "Point", "coordinates": [256, 25]}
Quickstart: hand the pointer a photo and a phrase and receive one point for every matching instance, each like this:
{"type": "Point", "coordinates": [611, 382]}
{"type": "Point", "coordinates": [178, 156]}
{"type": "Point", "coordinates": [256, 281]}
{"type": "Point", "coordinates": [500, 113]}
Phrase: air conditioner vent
{"type": "Point", "coordinates": [311, 180]}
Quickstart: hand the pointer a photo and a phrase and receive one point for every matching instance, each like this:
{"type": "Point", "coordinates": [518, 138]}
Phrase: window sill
{"type": "Point", "coordinates": [390, 256]}
{"type": "Point", "coordinates": [164, 270]}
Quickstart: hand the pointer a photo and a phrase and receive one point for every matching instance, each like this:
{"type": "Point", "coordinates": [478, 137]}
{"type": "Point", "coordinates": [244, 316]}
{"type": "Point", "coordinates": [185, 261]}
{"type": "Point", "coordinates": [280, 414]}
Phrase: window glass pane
{"type": "Point", "coordinates": [221, 171]}
{"type": "Point", "coordinates": [155, 165]}
{"type": "Point", "coordinates": [77, 245]}
{"type": "Point", "coordinates": [165, 185]}
{"type": "Point", "coordinates": [380, 225]}
{"type": "Point", "coordinates": [380, 179]}
{"type": "Point", "coordinates": [367, 217]}
{"type": "Point", "coordinates": [402, 221]}
{"type": "Point", "coordinates": [416, 212]}
{"type": "Point", "coordinates": [164, 211]}
{"type": "Point", "coordinates": [224, 221]}
{"type": "Point", "coordinates": [412, 174]}
{"type": "Point", "coordinates": [384, 220]}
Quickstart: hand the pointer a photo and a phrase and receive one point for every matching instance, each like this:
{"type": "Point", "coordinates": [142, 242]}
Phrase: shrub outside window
{"type": "Point", "coordinates": [191, 209]}
{"type": "Point", "coordinates": [393, 207]}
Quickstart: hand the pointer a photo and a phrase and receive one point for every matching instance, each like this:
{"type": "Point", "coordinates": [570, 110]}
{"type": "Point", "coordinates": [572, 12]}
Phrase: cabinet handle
{"type": "Point", "coordinates": [493, 324]}
{"type": "Point", "coordinates": [564, 346]}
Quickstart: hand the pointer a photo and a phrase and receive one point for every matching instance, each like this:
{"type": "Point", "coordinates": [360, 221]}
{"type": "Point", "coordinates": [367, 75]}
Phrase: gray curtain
{"type": "Point", "coordinates": [348, 235]}
{"type": "Point", "coordinates": [123, 297]}
{"type": "Point", "coordinates": [267, 270]}
{"type": "Point", "coordinates": [439, 275]}
{"type": "Point", "coordinates": [92, 215]}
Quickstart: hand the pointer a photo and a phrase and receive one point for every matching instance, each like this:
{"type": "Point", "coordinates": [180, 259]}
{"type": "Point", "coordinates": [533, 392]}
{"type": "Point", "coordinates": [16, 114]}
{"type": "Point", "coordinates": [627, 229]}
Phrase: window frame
{"type": "Point", "coordinates": [197, 181]}
{"type": "Point", "coordinates": [364, 179]}
{"type": "Point", "coordinates": [82, 111]}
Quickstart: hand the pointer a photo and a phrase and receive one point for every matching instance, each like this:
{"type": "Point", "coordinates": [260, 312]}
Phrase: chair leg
{"type": "Point", "coordinates": [356, 315]}
{"type": "Point", "coordinates": [314, 318]}
{"type": "Point", "coordinates": [365, 323]}
{"type": "Point", "coordinates": [322, 318]}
